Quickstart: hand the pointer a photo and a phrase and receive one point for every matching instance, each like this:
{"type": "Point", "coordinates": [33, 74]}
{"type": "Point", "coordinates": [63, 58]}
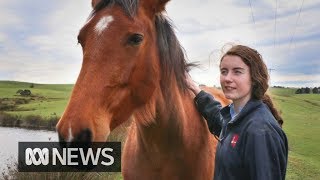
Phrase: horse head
{"type": "Point", "coordinates": [120, 68]}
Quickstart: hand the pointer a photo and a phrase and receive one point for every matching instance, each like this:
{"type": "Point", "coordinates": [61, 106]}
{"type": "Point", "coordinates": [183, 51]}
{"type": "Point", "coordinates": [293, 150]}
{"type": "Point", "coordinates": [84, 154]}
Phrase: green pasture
{"type": "Point", "coordinates": [300, 112]}
{"type": "Point", "coordinates": [46, 100]}
{"type": "Point", "coordinates": [302, 125]}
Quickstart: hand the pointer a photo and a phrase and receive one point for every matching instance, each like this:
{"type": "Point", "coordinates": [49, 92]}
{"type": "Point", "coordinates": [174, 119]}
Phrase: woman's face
{"type": "Point", "coordinates": [235, 79]}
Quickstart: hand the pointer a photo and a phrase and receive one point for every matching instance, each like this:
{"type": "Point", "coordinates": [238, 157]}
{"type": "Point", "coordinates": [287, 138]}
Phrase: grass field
{"type": "Point", "coordinates": [46, 100]}
{"type": "Point", "coordinates": [302, 126]}
{"type": "Point", "coordinates": [300, 112]}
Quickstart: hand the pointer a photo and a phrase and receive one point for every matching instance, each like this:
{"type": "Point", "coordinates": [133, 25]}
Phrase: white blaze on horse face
{"type": "Point", "coordinates": [103, 24]}
{"type": "Point", "coordinates": [70, 136]}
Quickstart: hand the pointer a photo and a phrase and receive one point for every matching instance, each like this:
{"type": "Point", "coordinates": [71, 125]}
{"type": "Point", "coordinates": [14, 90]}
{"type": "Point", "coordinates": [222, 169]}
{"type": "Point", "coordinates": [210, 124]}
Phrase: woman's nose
{"type": "Point", "coordinates": [227, 77]}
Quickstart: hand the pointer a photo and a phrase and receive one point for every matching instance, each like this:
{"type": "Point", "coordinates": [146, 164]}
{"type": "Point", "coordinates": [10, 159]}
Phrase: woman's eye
{"type": "Point", "coordinates": [135, 39]}
{"type": "Point", "coordinates": [223, 72]}
{"type": "Point", "coordinates": [238, 72]}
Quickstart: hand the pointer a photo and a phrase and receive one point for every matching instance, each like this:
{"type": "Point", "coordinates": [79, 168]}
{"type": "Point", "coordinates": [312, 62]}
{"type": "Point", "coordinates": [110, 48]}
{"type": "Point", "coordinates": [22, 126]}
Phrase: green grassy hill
{"type": "Point", "coordinates": [300, 112]}
{"type": "Point", "coordinates": [46, 100]}
{"type": "Point", "coordinates": [302, 125]}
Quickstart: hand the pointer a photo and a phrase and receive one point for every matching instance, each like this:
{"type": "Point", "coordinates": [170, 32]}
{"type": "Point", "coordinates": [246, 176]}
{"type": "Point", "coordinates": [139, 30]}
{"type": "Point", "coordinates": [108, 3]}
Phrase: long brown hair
{"type": "Point", "coordinates": [259, 75]}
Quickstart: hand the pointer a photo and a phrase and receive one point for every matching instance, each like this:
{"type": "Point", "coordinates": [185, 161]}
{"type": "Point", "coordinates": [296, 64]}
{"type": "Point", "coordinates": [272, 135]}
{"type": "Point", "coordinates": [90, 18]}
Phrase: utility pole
{"type": "Point", "coordinates": [270, 69]}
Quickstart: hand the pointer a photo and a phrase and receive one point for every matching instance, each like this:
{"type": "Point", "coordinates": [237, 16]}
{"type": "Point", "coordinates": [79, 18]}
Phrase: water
{"type": "Point", "coordinates": [9, 138]}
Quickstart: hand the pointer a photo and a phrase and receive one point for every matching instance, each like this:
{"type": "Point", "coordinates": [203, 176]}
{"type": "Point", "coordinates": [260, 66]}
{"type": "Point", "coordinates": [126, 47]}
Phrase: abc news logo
{"type": "Point", "coordinates": [51, 157]}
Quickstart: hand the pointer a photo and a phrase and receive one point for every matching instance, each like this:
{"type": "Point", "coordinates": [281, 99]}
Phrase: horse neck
{"type": "Point", "coordinates": [167, 117]}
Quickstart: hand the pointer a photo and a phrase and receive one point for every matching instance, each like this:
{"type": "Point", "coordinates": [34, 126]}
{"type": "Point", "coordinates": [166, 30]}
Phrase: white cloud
{"type": "Point", "coordinates": [203, 27]}
{"type": "Point", "coordinates": [64, 25]}
{"type": "Point", "coordinates": [216, 23]}
{"type": "Point", "coordinates": [297, 77]}
{"type": "Point", "coordinates": [3, 37]}
{"type": "Point", "coordinates": [7, 16]}
{"type": "Point", "coordinates": [54, 56]}
{"type": "Point", "coordinates": [294, 80]}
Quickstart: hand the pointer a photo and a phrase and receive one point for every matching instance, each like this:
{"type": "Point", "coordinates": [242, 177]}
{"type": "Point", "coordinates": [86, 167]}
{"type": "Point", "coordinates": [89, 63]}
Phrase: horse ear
{"type": "Point", "coordinates": [154, 6]}
{"type": "Point", "coordinates": [94, 3]}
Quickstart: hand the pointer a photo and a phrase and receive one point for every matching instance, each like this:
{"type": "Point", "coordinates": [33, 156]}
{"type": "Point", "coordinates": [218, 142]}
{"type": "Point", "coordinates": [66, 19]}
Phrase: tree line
{"type": "Point", "coordinates": [306, 90]}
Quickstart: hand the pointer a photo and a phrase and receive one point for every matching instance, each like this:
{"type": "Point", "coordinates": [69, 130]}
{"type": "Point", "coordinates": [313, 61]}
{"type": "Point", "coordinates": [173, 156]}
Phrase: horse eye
{"type": "Point", "coordinates": [135, 39]}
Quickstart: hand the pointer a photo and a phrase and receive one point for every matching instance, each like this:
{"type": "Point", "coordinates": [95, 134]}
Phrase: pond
{"type": "Point", "coordinates": [9, 138]}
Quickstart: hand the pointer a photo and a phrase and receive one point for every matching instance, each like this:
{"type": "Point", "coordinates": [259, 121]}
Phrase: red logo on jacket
{"type": "Point", "coordinates": [234, 140]}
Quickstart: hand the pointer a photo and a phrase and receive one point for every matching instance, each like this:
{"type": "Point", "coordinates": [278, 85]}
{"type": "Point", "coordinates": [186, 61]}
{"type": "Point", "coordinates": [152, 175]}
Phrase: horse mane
{"type": "Point", "coordinates": [129, 6]}
{"type": "Point", "coordinates": [172, 55]}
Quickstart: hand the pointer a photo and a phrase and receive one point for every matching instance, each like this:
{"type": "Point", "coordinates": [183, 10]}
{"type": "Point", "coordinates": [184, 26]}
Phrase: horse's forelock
{"type": "Point", "coordinates": [129, 6]}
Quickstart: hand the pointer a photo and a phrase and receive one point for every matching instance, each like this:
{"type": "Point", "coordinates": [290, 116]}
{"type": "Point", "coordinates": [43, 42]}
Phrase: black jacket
{"type": "Point", "coordinates": [252, 145]}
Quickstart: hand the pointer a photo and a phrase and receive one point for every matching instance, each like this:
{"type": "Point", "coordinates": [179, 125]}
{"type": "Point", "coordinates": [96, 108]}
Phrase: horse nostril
{"type": "Point", "coordinates": [84, 136]}
{"type": "Point", "coordinates": [61, 139]}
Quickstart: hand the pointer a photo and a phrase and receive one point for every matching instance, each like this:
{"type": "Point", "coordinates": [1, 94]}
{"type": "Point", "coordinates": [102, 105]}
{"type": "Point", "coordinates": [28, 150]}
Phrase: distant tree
{"type": "Point", "coordinates": [298, 91]}
{"type": "Point", "coordinates": [316, 90]}
{"type": "Point", "coordinates": [307, 90]}
{"type": "Point", "coordinates": [19, 91]}
{"type": "Point", "coordinates": [25, 92]}
{"type": "Point", "coordinates": [32, 85]}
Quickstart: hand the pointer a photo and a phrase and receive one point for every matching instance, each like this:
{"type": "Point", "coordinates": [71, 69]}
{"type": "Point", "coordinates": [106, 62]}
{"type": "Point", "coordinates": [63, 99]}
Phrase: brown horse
{"type": "Point", "coordinates": [134, 67]}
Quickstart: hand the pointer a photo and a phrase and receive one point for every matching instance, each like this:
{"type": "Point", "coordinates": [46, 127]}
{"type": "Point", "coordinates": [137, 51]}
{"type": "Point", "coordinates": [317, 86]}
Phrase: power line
{"type": "Point", "coordinates": [254, 22]}
{"type": "Point", "coordinates": [275, 25]}
{"type": "Point", "coordinates": [294, 31]}
{"type": "Point", "coordinates": [252, 13]}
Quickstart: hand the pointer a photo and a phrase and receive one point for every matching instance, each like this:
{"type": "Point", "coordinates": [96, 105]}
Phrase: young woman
{"type": "Point", "coordinates": [252, 144]}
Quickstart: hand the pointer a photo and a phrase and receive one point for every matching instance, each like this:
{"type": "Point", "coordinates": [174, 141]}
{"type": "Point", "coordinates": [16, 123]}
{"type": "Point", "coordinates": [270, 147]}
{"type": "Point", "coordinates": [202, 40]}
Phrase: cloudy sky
{"type": "Point", "coordinates": [38, 39]}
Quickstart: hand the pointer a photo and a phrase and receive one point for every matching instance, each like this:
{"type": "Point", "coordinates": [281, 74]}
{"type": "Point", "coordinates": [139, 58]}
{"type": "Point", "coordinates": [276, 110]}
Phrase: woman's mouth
{"type": "Point", "coordinates": [229, 88]}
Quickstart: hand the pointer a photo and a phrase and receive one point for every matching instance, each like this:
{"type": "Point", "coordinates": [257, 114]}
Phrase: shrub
{"type": "Point", "coordinates": [8, 120]}
{"type": "Point", "coordinates": [19, 91]}
{"type": "Point", "coordinates": [52, 122]}
{"type": "Point", "coordinates": [25, 92]}
{"type": "Point", "coordinates": [21, 101]}
{"type": "Point", "coordinates": [33, 121]}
